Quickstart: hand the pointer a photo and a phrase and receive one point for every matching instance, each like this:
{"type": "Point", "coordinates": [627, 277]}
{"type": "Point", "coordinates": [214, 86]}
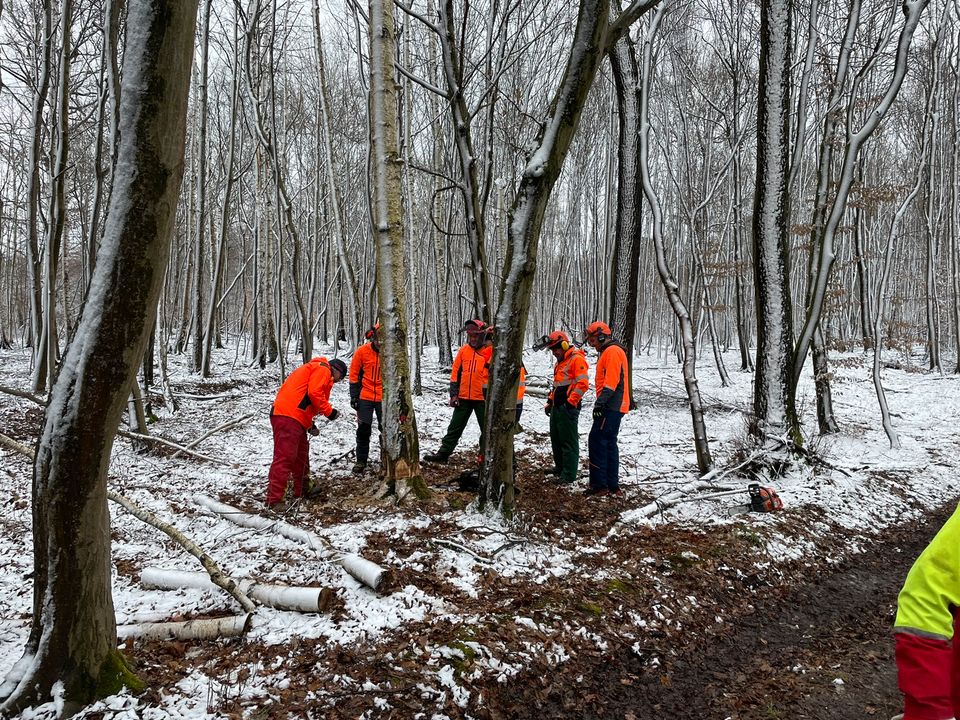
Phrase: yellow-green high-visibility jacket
{"type": "Point", "coordinates": [932, 590]}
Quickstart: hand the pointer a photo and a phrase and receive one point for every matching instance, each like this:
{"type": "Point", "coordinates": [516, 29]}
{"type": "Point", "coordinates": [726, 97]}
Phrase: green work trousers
{"type": "Point", "coordinates": [461, 414]}
{"type": "Point", "coordinates": [565, 441]}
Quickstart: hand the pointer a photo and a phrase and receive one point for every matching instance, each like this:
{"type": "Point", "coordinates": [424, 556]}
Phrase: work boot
{"type": "Point", "coordinates": [551, 470]}
{"type": "Point", "coordinates": [358, 467]}
{"type": "Point", "coordinates": [596, 492]}
{"type": "Point", "coordinates": [437, 457]}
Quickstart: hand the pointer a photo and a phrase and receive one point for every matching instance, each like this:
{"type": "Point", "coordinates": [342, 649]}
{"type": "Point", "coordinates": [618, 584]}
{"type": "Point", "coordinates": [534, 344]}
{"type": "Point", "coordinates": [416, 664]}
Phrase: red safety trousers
{"type": "Point", "coordinates": [291, 458]}
{"type": "Point", "coordinates": [928, 672]}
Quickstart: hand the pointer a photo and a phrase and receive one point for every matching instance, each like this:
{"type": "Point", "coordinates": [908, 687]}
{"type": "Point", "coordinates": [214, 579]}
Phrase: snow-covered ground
{"type": "Point", "coordinates": [461, 555]}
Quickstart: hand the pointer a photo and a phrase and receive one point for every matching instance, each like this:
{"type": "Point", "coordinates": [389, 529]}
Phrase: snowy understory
{"type": "Point", "coordinates": [476, 600]}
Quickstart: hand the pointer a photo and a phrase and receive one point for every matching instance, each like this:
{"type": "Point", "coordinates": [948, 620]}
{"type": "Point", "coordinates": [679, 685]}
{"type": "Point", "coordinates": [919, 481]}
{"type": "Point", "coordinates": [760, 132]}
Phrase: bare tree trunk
{"type": "Point", "coordinates": [700, 442]}
{"type": "Point", "coordinates": [339, 232]}
{"type": "Point", "coordinates": [401, 451]}
{"type": "Point", "coordinates": [773, 405]}
{"type": "Point", "coordinates": [73, 638]}
{"type": "Point", "coordinates": [463, 142]}
{"type": "Point", "coordinates": [854, 142]}
{"type": "Point", "coordinates": [33, 202]}
{"type": "Point", "coordinates": [208, 333]}
{"type": "Point", "coordinates": [200, 246]}
{"type": "Point", "coordinates": [626, 253]}
{"type": "Point", "coordinates": [593, 37]}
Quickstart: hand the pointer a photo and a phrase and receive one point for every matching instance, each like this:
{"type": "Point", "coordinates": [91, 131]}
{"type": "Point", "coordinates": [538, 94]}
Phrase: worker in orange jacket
{"type": "Point", "coordinates": [303, 395]}
{"type": "Point", "coordinates": [366, 393]}
{"type": "Point", "coordinates": [571, 380]}
{"type": "Point", "coordinates": [612, 383]}
{"type": "Point", "coordinates": [468, 379]}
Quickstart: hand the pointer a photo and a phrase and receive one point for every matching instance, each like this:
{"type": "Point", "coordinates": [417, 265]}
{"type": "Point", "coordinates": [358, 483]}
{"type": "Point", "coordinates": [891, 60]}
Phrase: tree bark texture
{"type": "Point", "coordinates": [73, 636]}
{"type": "Point", "coordinates": [401, 450]}
{"type": "Point", "coordinates": [774, 411]}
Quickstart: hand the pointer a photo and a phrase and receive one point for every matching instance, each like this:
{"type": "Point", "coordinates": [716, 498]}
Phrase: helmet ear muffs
{"type": "Point", "coordinates": [564, 345]}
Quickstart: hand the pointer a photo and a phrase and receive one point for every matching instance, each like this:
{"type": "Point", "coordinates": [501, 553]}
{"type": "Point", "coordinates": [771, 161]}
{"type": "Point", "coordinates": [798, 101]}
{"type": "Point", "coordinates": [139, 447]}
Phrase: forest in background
{"type": "Point", "coordinates": [785, 175]}
{"type": "Point", "coordinates": [274, 243]}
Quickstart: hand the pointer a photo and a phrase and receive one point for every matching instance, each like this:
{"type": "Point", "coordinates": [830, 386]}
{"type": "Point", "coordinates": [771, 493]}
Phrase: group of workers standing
{"type": "Point", "coordinates": [306, 393]}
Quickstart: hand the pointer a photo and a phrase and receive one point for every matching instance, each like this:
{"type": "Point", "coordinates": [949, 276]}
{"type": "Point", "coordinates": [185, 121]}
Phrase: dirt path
{"type": "Point", "coordinates": [822, 650]}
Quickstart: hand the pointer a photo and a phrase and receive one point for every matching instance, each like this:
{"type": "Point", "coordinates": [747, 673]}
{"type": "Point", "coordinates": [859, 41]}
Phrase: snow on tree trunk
{"type": "Point", "coordinates": [774, 411]}
{"type": "Point", "coordinates": [401, 451]}
{"type": "Point", "coordinates": [73, 639]}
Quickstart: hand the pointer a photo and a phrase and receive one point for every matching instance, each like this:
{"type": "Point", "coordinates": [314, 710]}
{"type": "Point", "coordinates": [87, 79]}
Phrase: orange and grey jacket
{"type": "Point", "coordinates": [365, 383]}
{"type": "Point", "coordinates": [305, 393]}
{"type": "Point", "coordinates": [470, 371]}
{"type": "Point", "coordinates": [612, 379]}
{"type": "Point", "coordinates": [571, 378]}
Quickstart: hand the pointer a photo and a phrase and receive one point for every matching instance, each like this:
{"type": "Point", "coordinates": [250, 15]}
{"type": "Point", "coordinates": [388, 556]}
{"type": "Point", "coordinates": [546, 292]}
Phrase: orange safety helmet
{"type": "Point", "coordinates": [372, 332]}
{"type": "Point", "coordinates": [558, 339]}
{"type": "Point", "coordinates": [598, 328]}
{"type": "Point", "coordinates": [475, 326]}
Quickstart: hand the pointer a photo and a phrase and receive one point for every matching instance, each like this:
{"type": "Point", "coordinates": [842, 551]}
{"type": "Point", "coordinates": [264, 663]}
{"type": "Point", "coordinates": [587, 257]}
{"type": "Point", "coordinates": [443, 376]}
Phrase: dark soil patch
{"type": "Point", "coordinates": [822, 650]}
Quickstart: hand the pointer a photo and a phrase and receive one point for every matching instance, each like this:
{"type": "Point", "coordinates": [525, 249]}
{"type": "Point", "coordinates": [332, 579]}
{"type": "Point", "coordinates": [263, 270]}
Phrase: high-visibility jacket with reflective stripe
{"type": "Point", "coordinates": [305, 392]}
{"type": "Point", "coordinates": [932, 589]}
{"type": "Point", "coordinates": [365, 383]}
{"type": "Point", "coordinates": [470, 371]}
{"type": "Point", "coordinates": [612, 379]}
{"type": "Point", "coordinates": [571, 378]}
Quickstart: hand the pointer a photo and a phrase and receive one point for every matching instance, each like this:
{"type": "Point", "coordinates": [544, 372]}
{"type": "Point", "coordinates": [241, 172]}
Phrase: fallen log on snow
{"type": "Point", "coordinates": [281, 597]}
{"type": "Point", "coordinates": [362, 570]}
{"type": "Point", "coordinates": [216, 575]}
{"type": "Point", "coordinates": [203, 629]}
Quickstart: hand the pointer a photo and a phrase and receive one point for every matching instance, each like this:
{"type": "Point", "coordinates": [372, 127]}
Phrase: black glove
{"type": "Point", "coordinates": [355, 402]}
{"type": "Point", "coordinates": [334, 414]}
{"type": "Point", "coordinates": [454, 400]}
{"type": "Point", "coordinates": [597, 412]}
{"type": "Point", "coordinates": [313, 430]}
{"type": "Point", "coordinates": [547, 408]}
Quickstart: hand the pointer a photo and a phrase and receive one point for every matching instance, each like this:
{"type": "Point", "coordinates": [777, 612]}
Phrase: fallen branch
{"type": "Point", "coordinates": [362, 570]}
{"type": "Point", "coordinates": [281, 597]}
{"type": "Point", "coordinates": [22, 394]}
{"type": "Point", "coordinates": [217, 576]}
{"type": "Point", "coordinates": [678, 496]}
{"type": "Point", "coordinates": [204, 629]}
{"type": "Point", "coordinates": [167, 443]}
{"type": "Point", "coordinates": [231, 423]}
{"type": "Point", "coordinates": [11, 444]}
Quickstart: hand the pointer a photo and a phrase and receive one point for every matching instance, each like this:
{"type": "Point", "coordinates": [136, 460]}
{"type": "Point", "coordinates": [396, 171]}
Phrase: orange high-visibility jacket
{"type": "Point", "coordinates": [470, 371]}
{"type": "Point", "coordinates": [365, 383]}
{"type": "Point", "coordinates": [612, 380]}
{"type": "Point", "coordinates": [305, 393]}
{"type": "Point", "coordinates": [571, 378]}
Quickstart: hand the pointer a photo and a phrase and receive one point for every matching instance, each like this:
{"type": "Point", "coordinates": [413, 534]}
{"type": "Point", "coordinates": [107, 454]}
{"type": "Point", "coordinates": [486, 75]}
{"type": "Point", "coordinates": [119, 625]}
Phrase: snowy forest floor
{"type": "Point", "coordinates": [577, 608]}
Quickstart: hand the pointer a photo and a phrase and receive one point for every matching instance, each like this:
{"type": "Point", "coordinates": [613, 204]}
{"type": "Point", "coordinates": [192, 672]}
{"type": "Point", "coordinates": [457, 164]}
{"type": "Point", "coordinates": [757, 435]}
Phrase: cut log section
{"type": "Point", "coordinates": [361, 569]}
{"type": "Point", "coordinates": [203, 629]}
{"type": "Point", "coordinates": [281, 597]}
